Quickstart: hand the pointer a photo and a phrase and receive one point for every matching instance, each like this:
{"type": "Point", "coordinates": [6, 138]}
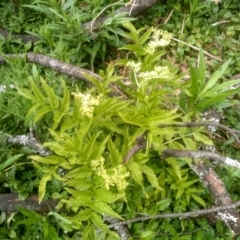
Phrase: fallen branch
{"type": "Point", "coordinates": [132, 8]}
{"type": "Point", "coordinates": [215, 185]}
{"type": "Point", "coordinates": [201, 154]}
{"type": "Point", "coordinates": [10, 202]}
{"type": "Point", "coordinates": [178, 215]}
{"type": "Point", "coordinates": [56, 65]}
{"type": "Point", "coordinates": [24, 37]}
{"type": "Point", "coordinates": [29, 140]}
{"type": "Point", "coordinates": [198, 124]}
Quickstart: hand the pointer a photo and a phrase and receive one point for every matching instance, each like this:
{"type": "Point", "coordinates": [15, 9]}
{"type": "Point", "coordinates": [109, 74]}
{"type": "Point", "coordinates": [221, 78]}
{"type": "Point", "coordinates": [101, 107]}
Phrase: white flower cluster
{"type": "Point", "coordinates": [117, 178]}
{"type": "Point", "coordinates": [160, 39]}
{"type": "Point", "coordinates": [88, 102]}
{"type": "Point", "coordinates": [135, 66]}
{"type": "Point", "coordinates": [157, 72]}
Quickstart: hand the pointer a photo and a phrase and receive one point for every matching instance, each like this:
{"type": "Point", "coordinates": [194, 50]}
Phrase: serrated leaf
{"type": "Point", "coordinates": [103, 208]}
{"type": "Point", "coordinates": [52, 159]}
{"type": "Point", "coordinates": [58, 115]}
{"type": "Point", "coordinates": [79, 183]}
{"type": "Point", "coordinates": [151, 177]}
{"type": "Point", "coordinates": [107, 196]}
{"type": "Point", "coordinates": [81, 216]}
{"type": "Point", "coordinates": [26, 94]}
{"type": "Point", "coordinates": [89, 232]}
{"type": "Point", "coordinates": [163, 204]}
{"type": "Point", "coordinates": [89, 147]}
{"type": "Point", "coordinates": [79, 173]}
{"type": "Point", "coordinates": [42, 186]}
{"type": "Point", "coordinates": [114, 154]}
{"type": "Point", "coordinates": [78, 202]}
{"type": "Point", "coordinates": [136, 172]}
{"type": "Point", "coordinates": [65, 101]}
{"type": "Point", "coordinates": [198, 199]}
{"type": "Point", "coordinates": [202, 138]}
{"type": "Point", "coordinates": [39, 98]}
{"type": "Point", "coordinates": [80, 193]}
{"type": "Point", "coordinates": [97, 220]}
{"type": "Point", "coordinates": [41, 112]}
{"type": "Point", "coordinates": [176, 167]}
{"type": "Point", "coordinates": [53, 100]}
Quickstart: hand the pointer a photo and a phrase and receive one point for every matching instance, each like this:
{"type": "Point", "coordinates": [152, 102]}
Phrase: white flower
{"type": "Point", "coordinates": [135, 66]}
{"type": "Point", "coordinates": [116, 177]}
{"type": "Point", "coordinates": [88, 102]}
{"type": "Point", "coordinates": [157, 72]}
{"type": "Point", "coordinates": [160, 39]}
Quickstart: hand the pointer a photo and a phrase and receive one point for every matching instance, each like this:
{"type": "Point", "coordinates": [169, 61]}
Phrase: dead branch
{"type": "Point", "coordinates": [24, 37]}
{"type": "Point", "coordinates": [132, 8]}
{"type": "Point", "coordinates": [122, 230]}
{"type": "Point", "coordinates": [211, 180]}
{"type": "Point", "coordinates": [29, 140]}
{"type": "Point", "coordinates": [201, 154]}
{"type": "Point", "coordinates": [50, 62]}
{"type": "Point", "coordinates": [198, 124]}
{"type": "Point", "coordinates": [178, 215]}
{"type": "Point", "coordinates": [10, 202]}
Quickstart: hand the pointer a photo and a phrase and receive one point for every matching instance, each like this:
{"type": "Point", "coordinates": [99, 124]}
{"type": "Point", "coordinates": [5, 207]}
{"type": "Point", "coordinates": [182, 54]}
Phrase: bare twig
{"type": "Point", "coordinates": [178, 215]}
{"type": "Point", "coordinates": [198, 124]}
{"type": "Point", "coordinates": [198, 49]}
{"type": "Point", "coordinates": [201, 154]}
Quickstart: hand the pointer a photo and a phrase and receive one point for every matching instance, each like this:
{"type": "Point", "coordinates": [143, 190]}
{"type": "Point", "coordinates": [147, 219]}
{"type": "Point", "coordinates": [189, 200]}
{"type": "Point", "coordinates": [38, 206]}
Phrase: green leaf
{"type": "Point", "coordinates": [107, 196]}
{"type": "Point", "coordinates": [80, 193]}
{"type": "Point", "coordinates": [151, 177]}
{"type": "Point", "coordinates": [52, 159]}
{"type": "Point", "coordinates": [9, 161]}
{"type": "Point", "coordinates": [65, 101]}
{"type": "Point", "coordinates": [89, 232]}
{"type": "Point", "coordinates": [114, 154]}
{"type": "Point", "coordinates": [202, 138]}
{"type": "Point", "coordinates": [201, 72]}
{"type": "Point", "coordinates": [176, 167]}
{"type": "Point", "coordinates": [97, 220]}
{"type": "Point", "coordinates": [53, 100]}
{"type": "Point", "coordinates": [42, 186]}
{"type": "Point", "coordinates": [79, 173]}
{"type": "Point", "coordinates": [89, 147]}
{"type": "Point", "coordinates": [30, 214]}
{"type": "Point", "coordinates": [38, 95]}
{"type": "Point", "coordinates": [81, 216]}
{"type": "Point", "coordinates": [41, 112]}
{"type": "Point", "coordinates": [198, 199]}
{"type": "Point", "coordinates": [145, 36]}
{"type": "Point", "coordinates": [103, 208]}
{"type": "Point", "coordinates": [163, 204]}
{"type": "Point", "coordinates": [136, 172]}
{"type": "Point", "coordinates": [214, 78]}
{"type": "Point", "coordinates": [26, 94]}
{"type": "Point", "coordinates": [94, 51]}
{"type": "Point", "coordinates": [58, 115]}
